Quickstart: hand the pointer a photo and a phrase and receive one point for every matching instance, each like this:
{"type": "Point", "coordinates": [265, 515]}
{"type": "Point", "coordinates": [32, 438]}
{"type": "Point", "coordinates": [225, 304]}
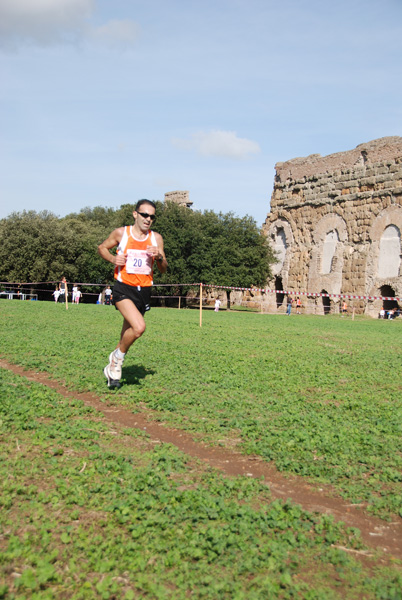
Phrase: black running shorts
{"type": "Point", "coordinates": [139, 296]}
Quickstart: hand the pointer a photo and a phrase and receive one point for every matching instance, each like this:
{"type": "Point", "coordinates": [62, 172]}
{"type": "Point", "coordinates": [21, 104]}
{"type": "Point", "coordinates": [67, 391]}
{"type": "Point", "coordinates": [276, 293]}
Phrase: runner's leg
{"type": "Point", "coordinates": [133, 324]}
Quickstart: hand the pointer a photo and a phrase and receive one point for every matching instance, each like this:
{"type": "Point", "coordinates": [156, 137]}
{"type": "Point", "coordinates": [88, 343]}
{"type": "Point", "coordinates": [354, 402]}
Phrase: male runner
{"type": "Point", "coordinates": [137, 249]}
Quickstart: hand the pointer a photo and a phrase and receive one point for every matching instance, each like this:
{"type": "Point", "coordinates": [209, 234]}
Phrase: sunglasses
{"type": "Point", "coordinates": [147, 216]}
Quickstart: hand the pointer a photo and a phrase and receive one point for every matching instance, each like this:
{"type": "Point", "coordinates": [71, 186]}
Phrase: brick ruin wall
{"type": "Point", "coordinates": [179, 197]}
{"type": "Point", "coordinates": [335, 223]}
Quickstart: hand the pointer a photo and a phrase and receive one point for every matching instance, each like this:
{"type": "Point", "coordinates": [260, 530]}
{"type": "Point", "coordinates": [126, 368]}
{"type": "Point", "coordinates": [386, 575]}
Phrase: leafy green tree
{"type": "Point", "coordinates": [82, 236]}
{"type": "Point", "coordinates": [30, 247]}
{"type": "Point", "coordinates": [40, 247]}
{"type": "Point", "coordinates": [215, 249]}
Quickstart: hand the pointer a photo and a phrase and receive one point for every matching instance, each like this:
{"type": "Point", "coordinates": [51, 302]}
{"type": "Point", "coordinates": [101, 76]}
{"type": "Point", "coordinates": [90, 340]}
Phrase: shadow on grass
{"type": "Point", "coordinates": [133, 375]}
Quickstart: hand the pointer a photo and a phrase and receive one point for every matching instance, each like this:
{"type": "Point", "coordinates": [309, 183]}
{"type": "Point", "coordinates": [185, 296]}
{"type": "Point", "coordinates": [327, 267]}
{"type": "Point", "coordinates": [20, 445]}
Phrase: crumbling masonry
{"type": "Point", "coordinates": [336, 223]}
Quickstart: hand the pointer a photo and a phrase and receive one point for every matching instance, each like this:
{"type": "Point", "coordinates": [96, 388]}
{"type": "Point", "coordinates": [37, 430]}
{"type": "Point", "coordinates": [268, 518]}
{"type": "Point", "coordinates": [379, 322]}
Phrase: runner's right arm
{"type": "Point", "coordinates": [111, 242]}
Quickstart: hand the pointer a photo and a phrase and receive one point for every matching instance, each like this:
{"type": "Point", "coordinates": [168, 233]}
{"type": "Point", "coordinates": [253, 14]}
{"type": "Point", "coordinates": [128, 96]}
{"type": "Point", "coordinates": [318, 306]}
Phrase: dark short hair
{"type": "Point", "coordinates": [144, 201]}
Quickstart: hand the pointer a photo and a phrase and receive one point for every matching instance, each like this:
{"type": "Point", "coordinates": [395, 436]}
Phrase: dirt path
{"type": "Point", "coordinates": [376, 533]}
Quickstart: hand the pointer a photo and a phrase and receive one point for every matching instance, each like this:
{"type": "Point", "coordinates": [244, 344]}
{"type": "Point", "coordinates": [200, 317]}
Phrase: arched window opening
{"type": "Point", "coordinates": [389, 259]}
{"type": "Point", "coordinates": [388, 292]}
{"type": "Point", "coordinates": [328, 251]}
{"type": "Point", "coordinates": [326, 303]}
{"type": "Point", "coordinates": [279, 296]}
{"type": "Point", "coordinates": [280, 247]}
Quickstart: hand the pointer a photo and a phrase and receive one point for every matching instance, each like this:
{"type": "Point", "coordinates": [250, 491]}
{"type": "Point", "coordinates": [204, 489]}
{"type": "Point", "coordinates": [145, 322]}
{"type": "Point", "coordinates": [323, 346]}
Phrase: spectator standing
{"type": "Point", "coordinates": [108, 295]}
{"type": "Point", "coordinates": [63, 290]}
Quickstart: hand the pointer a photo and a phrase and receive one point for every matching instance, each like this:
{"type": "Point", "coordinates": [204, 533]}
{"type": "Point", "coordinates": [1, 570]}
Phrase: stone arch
{"type": "Point", "coordinates": [328, 251]}
{"type": "Point", "coordinates": [327, 257]}
{"type": "Point", "coordinates": [280, 246]}
{"type": "Point", "coordinates": [281, 234]}
{"type": "Point", "coordinates": [383, 236]}
{"type": "Point", "coordinates": [389, 256]}
{"type": "Point", "coordinates": [389, 216]}
{"type": "Point", "coordinates": [281, 238]}
{"type": "Point", "coordinates": [388, 292]}
{"type": "Point", "coordinates": [330, 222]}
{"type": "Point", "coordinates": [326, 302]}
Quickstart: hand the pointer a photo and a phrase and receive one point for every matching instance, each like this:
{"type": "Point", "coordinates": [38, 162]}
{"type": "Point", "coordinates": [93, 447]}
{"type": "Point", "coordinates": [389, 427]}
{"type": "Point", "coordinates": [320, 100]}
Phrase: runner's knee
{"type": "Point", "coordinates": [140, 328]}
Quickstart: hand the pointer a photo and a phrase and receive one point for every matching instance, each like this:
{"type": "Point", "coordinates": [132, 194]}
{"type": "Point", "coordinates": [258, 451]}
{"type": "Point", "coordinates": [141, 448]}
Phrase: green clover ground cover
{"type": "Point", "coordinates": [321, 397]}
{"type": "Point", "coordinates": [89, 512]}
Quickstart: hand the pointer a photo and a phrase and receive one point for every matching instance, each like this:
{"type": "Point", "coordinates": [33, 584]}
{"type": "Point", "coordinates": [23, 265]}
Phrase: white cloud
{"type": "Point", "coordinates": [42, 22]}
{"type": "Point", "coordinates": [218, 143]}
{"type": "Point", "coordinates": [48, 22]}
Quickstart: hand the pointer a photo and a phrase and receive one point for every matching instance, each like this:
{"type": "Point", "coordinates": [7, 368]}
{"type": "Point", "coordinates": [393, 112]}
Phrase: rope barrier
{"type": "Point", "coordinates": [311, 294]}
{"type": "Point", "coordinates": [223, 287]}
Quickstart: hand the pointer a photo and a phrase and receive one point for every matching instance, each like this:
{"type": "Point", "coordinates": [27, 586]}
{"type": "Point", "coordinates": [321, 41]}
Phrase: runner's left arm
{"type": "Point", "coordinates": [160, 257]}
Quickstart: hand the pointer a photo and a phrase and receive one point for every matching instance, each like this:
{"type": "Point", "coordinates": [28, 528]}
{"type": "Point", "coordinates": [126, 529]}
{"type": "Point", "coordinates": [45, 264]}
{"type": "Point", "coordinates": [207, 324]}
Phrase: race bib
{"type": "Point", "coordinates": [139, 262]}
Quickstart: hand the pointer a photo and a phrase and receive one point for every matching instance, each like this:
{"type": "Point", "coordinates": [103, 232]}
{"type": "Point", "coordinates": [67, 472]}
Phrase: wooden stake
{"type": "Point", "coordinates": [200, 304]}
{"type": "Point", "coordinates": [179, 301]}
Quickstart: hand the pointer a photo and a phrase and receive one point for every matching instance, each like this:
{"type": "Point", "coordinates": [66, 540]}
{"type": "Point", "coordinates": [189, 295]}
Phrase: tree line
{"type": "Point", "coordinates": [208, 247]}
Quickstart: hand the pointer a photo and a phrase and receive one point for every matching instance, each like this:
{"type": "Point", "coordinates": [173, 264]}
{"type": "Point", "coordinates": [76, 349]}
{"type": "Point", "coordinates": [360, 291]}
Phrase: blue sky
{"type": "Point", "coordinates": [103, 102]}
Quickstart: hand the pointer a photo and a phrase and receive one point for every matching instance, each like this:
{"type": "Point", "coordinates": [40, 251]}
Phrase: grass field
{"type": "Point", "coordinates": [87, 512]}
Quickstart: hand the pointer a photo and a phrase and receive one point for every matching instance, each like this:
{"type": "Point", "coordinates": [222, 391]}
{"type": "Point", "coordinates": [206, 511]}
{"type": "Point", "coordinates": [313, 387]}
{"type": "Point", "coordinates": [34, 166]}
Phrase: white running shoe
{"type": "Point", "coordinates": [112, 371]}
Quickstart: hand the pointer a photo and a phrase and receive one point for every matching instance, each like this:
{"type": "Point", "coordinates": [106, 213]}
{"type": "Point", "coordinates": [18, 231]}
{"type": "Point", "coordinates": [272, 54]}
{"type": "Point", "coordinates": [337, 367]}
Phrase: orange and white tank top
{"type": "Point", "coordinates": [138, 267]}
